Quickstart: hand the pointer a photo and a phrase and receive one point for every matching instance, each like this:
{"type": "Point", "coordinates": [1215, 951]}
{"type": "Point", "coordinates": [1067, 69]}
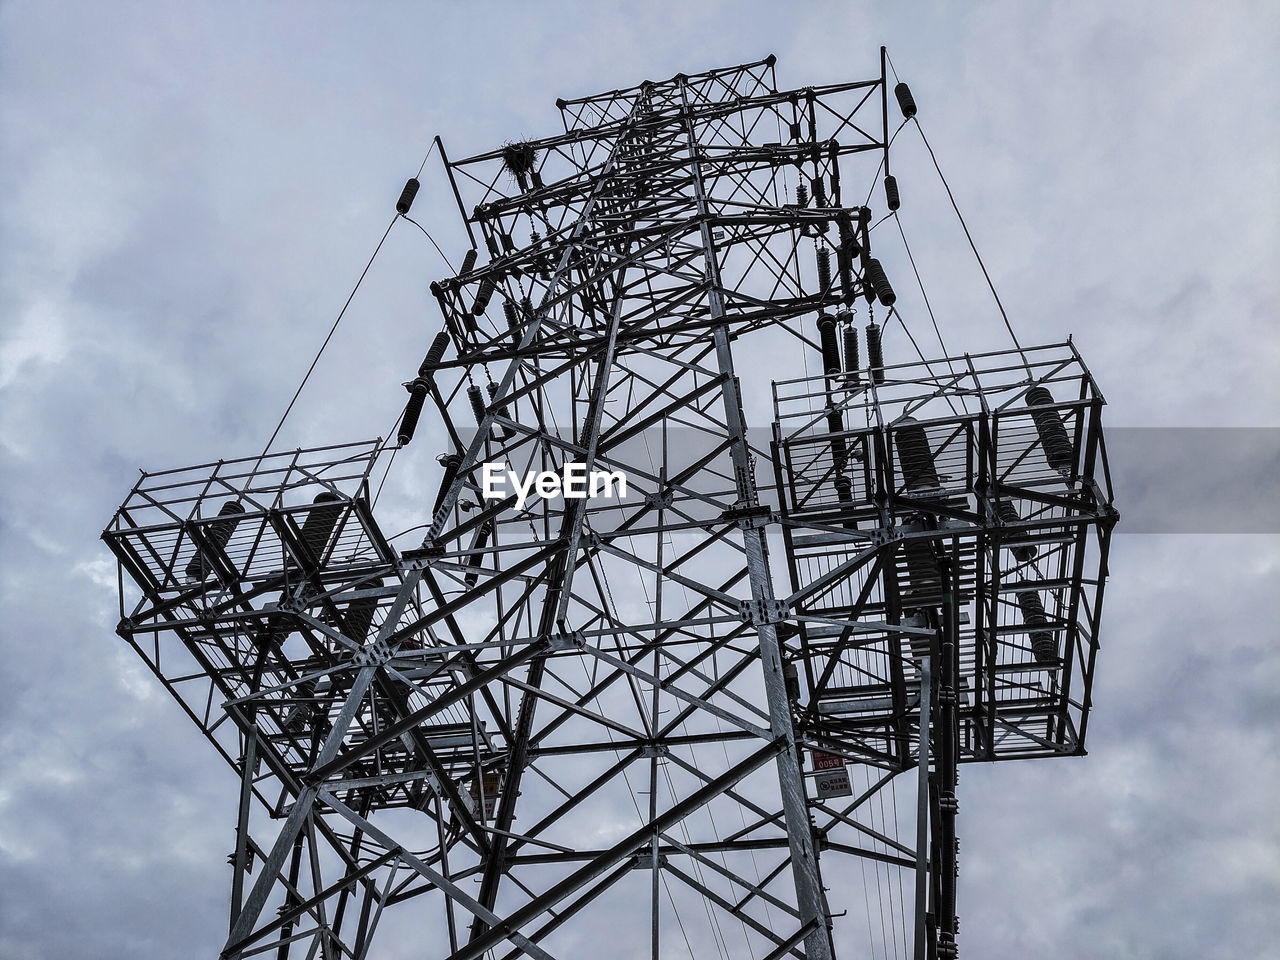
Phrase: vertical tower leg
{"type": "Point", "coordinates": [921, 951]}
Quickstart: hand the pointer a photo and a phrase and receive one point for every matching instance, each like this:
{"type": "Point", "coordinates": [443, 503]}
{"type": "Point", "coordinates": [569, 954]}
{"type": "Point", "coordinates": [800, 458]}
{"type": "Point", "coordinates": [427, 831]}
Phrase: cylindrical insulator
{"type": "Point", "coordinates": [915, 456]}
{"type": "Point", "coordinates": [468, 262]}
{"type": "Point", "coordinates": [321, 519]}
{"type": "Point", "coordinates": [830, 344]}
{"type": "Point", "coordinates": [359, 615]}
{"type": "Point", "coordinates": [1008, 513]}
{"type": "Point", "coordinates": [451, 462]}
{"type": "Point", "coordinates": [892, 200]}
{"type": "Point", "coordinates": [477, 402]}
{"type": "Point", "coordinates": [1043, 645]}
{"type": "Point", "coordinates": [839, 450]}
{"type": "Point", "coordinates": [483, 295]}
{"type": "Point", "coordinates": [512, 313]}
{"type": "Point", "coordinates": [850, 335]}
{"type": "Point", "coordinates": [824, 270]}
{"type": "Point", "coordinates": [819, 192]}
{"type": "Point", "coordinates": [880, 283]}
{"type": "Point", "coordinates": [406, 196]}
{"type": "Point", "coordinates": [412, 410]}
{"type": "Point", "coordinates": [906, 101]}
{"type": "Point", "coordinates": [839, 454]}
{"type": "Point", "coordinates": [844, 488]}
{"type": "Point", "coordinates": [924, 581]}
{"type": "Point", "coordinates": [274, 631]}
{"type": "Point", "coordinates": [434, 354]}
{"type": "Point", "coordinates": [217, 534]}
{"type": "Point", "coordinates": [1053, 435]}
{"type": "Point", "coordinates": [802, 195]}
{"type": "Point", "coordinates": [875, 352]}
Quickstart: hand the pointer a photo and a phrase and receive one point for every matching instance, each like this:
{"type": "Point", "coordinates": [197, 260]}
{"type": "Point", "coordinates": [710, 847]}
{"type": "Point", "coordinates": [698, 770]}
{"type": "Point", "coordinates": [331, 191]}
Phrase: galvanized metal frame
{"type": "Point", "coordinates": [373, 699]}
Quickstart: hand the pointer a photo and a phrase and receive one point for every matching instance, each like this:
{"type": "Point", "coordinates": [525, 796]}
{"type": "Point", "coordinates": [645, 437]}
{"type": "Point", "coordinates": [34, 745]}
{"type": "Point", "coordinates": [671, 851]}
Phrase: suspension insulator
{"type": "Point", "coordinates": [442, 298]}
{"type": "Point", "coordinates": [830, 344]}
{"type": "Point", "coordinates": [1043, 645]}
{"type": "Point", "coordinates": [848, 235]}
{"type": "Point", "coordinates": [477, 402]}
{"type": "Point", "coordinates": [451, 462]}
{"type": "Point", "coordinates": [915, 456]}
{"type": "Point", "coordinates": [479, 543]}
{"type": "Point", "coordinates": [850, 335]}
{"type": "Point", "coordinates": [1055, 443]}
{"type": "Point", "coordinates": [468, 262]}
{"type": "Point", "coordinates": [875, 276]}
{"type": "Point", "coordinates": [499, 410]}
{"type": "Point", "coordinates": [413, 410]}
{"type": "Point", "coordinates": [844, 263]}
{"type": "Point", "coordinates": [819, 192]}
{"type": "Point", "coordinates": [1008, 513]}
{"type": "Point", "coordinates": [359, 614]}
{"type": "Point", "coordinates": [892, 200]}
{"type": "Point", "coordinates": [483, 295]}
{"type": "Point", "coordinates": [217, 533]}
{"type": "Point", "coordinates": [875, 352]}
{"type": "Point", "coordinates": [802, 195]}
{"type": "Point", "coordinates": [321, 519]}
{"type": "Point", "coordinates": [512, 313]}
{"type": "Point", "coordinates": [906, 102]}
{"type": "Point", "coordinates": [434, 354]}
{"type": "Point", "coordinates": [535, 238]}
{"type": "Point", "coordinates": [824, 270]}
{"type": "Point", "coordinates": [406, 196]}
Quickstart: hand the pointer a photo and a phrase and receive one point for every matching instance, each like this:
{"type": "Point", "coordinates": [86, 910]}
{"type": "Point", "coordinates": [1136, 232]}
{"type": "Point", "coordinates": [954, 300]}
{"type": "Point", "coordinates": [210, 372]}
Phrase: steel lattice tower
{"type": "Point", "coordinates": [642, 717]}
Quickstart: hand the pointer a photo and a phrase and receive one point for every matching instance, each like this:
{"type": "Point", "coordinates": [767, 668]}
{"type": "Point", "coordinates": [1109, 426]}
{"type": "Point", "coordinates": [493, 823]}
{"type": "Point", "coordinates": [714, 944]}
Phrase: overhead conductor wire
{"type": "Point", "coordinates": [341, 313]}
{"type": "Point", "coordinates": [968, 236]}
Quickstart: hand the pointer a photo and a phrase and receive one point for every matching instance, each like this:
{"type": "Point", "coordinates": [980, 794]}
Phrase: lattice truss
{"type": "Point", "coordinates": [575, 719]}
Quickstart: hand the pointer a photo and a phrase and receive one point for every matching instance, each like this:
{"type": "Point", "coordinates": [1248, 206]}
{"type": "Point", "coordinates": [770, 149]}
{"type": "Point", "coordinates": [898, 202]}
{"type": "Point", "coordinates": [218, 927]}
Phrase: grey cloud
{"type": "Point", "coordinates": [192, 190]}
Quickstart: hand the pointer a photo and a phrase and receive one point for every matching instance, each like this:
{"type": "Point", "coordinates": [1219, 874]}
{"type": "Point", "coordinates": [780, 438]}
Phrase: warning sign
{"type": "Point", "coordinates": [492, 784]}
{"type": "Point", "coordinates": [834, 783]}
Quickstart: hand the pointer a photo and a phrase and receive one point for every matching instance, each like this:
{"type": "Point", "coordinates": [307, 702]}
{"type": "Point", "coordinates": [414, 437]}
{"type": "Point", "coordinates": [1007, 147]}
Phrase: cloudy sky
{"type": "Point", "coordinates": [190, 190]}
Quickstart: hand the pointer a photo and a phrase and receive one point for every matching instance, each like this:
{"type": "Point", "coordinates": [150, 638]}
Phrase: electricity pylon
{"type": "Point", "coordinates": [646, 715]}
